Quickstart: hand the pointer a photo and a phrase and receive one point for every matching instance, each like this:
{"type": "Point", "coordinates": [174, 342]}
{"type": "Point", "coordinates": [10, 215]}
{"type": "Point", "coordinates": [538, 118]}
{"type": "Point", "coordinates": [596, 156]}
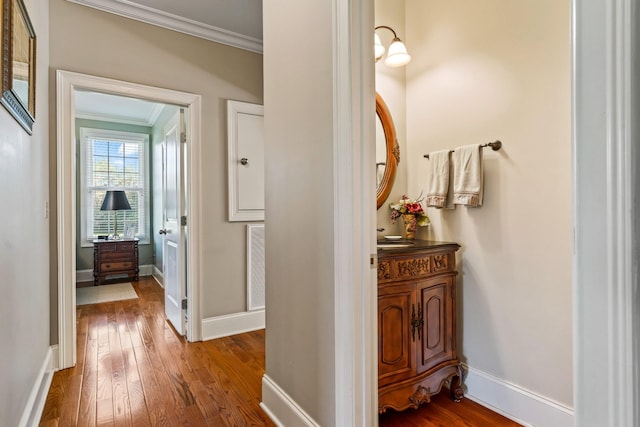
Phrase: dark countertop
{"type": "Point", "coordinates": [415, 246]}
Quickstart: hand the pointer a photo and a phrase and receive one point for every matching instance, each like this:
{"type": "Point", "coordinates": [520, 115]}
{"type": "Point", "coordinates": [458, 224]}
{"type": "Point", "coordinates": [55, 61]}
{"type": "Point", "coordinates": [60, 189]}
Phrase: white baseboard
{"type": "Point", "coordinates": [514, 402]}
{"type": "Point", "coordinates": [87, 275]}
{"type": "Point", "coordinates": [281, 408]}
{"type": "Point", "coordinates": [55, 358]}
{"type": "Point", "coordinates": [38, 396]}
{"type": "Point", "coordinates": [84, 275]}
{"type": "Point", "coordinates": [232, 324]}
{"type": "Point", "coordinates": [158, 275]}
{"type": "Point", "coordinates": [146, 270]}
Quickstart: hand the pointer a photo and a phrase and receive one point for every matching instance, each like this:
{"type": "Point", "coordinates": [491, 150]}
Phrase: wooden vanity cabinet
{"type": "Point", "coordinates": [416, 325]}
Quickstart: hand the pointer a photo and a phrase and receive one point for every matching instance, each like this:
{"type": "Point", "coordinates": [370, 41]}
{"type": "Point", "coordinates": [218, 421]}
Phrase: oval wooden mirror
{"type": "Point", "coordinates": [387, 151]}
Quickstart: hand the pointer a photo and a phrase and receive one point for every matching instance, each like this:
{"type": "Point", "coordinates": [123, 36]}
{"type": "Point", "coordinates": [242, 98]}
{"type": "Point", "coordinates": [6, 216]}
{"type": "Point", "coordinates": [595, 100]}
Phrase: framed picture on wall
{"type": "Point", "coordinates": [18, 54]}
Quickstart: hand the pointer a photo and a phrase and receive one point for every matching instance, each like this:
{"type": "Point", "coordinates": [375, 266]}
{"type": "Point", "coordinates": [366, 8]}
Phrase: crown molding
{"type": "Point", "coordinates": [173, 22]}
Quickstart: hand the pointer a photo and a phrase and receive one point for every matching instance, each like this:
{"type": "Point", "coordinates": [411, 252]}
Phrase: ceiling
{"type": "Point", "coordinates": [236, 23]}
{"type": "Point", "coordinates": [116, 109]}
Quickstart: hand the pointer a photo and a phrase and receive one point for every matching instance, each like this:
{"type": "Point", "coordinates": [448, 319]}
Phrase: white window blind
{"type": "Point", "coordinates": [113, 160]}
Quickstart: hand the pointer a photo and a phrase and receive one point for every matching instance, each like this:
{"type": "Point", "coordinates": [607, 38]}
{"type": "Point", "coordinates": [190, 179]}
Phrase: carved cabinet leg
{"type": "Point", "coordinates": [455, 387]}
{"type": "Point", "coordinates": [421, 395]}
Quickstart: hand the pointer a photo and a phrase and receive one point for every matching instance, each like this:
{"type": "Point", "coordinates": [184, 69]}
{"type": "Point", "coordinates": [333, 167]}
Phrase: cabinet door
{"type": "Point", "coordinates": [396, 348]}
{"type": "Point", "coordinates": [245, 147]}
{"type": "Point", "coordinates": [436, 338]}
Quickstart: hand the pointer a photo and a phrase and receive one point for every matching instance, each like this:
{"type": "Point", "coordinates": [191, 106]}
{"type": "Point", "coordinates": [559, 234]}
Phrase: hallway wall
{"type": "Point", "coordinates": [24, 241]}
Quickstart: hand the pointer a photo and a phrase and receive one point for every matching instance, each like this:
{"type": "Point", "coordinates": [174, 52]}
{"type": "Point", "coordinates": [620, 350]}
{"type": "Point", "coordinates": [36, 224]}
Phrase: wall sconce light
{"type": "Point", "coordinates": [397, 55]}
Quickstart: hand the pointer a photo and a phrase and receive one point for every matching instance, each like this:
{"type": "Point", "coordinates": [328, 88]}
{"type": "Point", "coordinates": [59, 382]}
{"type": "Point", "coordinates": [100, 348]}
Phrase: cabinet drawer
{"type": "Point", "coordinates": [116, 256]}
{"type": "Point", "coordinates": [125, 246]}
{"type": "Point", "coordinates": [415, 266]}
{"type": "Point", "coordinates": [116, 266]}
{"type": "Point", "coordinates": [110, 247]}
{"type": "Point", "coordinates": [106, 247]}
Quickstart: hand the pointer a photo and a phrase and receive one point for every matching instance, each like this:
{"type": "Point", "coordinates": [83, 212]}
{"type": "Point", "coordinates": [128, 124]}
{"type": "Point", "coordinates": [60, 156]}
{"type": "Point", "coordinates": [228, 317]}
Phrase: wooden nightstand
{"type": "Point", "coordinates": [111, 257]}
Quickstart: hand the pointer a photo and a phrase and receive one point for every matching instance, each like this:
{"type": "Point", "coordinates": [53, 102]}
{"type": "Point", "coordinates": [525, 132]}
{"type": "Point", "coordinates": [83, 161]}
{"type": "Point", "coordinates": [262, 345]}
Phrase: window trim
{"type": "Point", "coordinates": [141, 138]}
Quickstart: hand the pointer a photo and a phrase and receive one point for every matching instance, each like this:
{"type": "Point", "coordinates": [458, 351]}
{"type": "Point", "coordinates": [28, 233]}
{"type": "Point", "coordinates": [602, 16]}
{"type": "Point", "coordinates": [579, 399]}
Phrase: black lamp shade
{"type": "Point", "coordinates": [115, 200]}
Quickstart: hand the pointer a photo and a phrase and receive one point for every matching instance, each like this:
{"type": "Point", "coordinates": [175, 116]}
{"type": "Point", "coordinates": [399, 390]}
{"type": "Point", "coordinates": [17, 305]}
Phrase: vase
{"type": "Point", "coordinates": [410, 226]}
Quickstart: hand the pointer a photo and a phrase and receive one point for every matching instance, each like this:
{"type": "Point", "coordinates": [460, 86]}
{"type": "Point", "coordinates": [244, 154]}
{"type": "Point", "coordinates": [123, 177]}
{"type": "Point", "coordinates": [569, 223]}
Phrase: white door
{"type": "Point", "coordinates": [173, 231]}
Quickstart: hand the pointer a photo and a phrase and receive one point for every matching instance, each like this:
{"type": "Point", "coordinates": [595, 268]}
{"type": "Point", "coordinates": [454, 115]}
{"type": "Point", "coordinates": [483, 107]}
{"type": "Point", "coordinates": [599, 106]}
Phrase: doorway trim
{"type": "Point", "coordinates": [66, 83]}
{"type": "Point", "coordinates": [606, 181]}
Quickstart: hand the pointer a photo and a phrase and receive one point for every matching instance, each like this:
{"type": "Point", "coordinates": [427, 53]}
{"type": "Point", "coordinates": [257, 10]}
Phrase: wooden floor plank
{"type": "Point", "coordinates": [104, 390]}
{"type": "Point", "coordinates": [87, 411]}
{"type": "Point", "coordinates": [120, 394]}
{"type": "Point", "coordinates": [135, 391]}
{"type": "Point", "coordinates": [133, 369]}
{"type": "Point", "coordinates": [55, 397]}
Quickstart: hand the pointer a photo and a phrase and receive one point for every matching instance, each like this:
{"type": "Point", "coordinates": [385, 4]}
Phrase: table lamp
{"type": "Point", "coordinates": [115, 200]}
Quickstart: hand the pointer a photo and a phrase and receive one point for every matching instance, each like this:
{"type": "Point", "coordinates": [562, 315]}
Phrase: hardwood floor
{"type": "Point", "coordinates": [444, 412]}
{"type": "Point", "coordinates": [134, 370]}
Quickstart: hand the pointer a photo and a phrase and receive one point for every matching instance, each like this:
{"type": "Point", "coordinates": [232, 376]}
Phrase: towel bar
{"type": "Point", "coordinates": [495, 146]}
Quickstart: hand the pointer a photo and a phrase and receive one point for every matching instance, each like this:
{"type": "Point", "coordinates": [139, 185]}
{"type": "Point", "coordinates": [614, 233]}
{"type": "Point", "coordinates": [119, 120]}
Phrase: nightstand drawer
{"type": "Point", "coordinates": [116, 266]}
{"type": "Point", "coordinates": [115, 256]}
{"type": "Point", "coordinates": [127, 247]}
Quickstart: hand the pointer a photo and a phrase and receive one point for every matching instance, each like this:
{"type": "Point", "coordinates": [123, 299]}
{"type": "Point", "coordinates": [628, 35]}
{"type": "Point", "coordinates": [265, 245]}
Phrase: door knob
{"type": "Point", "coordinates": [244, 161]}
{"type": "Point", "coordinates": [163, 231]}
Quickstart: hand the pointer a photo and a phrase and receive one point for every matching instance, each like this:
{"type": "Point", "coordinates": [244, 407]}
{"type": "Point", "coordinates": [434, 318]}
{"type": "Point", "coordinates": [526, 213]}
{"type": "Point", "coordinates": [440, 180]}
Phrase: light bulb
{"type": "Point", "coordinates": [397, 55]}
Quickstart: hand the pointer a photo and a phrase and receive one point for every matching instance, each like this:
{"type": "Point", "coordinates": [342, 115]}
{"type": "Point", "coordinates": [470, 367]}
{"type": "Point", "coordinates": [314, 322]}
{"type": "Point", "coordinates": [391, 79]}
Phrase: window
{"type": "Point", "coordinates": [113, 160]}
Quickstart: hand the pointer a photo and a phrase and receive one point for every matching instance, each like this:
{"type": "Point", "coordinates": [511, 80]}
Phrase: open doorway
{"type": "Point", "coordinates": [69, 221]}
{"type": "Point", "coordinates": [118, 142]}
{"type": "Point", "coordinates": [130, 199]}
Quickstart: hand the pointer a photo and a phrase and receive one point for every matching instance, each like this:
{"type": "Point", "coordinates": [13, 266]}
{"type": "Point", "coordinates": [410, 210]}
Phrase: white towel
{"type": "Point", "coordinates": [468, 175]}
{"type": "Point", "coordinates": [438, 179]}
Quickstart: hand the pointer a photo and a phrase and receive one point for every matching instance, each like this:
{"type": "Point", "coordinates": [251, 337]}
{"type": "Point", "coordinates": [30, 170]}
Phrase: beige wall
{"type": "Point", "coordinates": [88, 41]}
{"type": "Point", "coordinates": [491, 70]}
{"type": "Point", "coordinates": [391, 85]}
{"type": "Point", "coordinates": [298, 124]}
{"type": "Point", "coordinates": [24, 241]}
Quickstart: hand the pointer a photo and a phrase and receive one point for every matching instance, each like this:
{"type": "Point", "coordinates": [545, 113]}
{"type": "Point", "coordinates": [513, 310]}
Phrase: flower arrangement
{"type": "Point", "coordinates": [409, 206]}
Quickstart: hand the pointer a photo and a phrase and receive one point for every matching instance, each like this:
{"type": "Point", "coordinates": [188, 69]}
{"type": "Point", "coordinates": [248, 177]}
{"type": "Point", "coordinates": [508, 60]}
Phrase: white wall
{"type": "Point", "coordinates": [92, 42]}
{"type": "Point", "coordinates": [24, 241]}
{"type": "Point", "coordinates": [490, 70]}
